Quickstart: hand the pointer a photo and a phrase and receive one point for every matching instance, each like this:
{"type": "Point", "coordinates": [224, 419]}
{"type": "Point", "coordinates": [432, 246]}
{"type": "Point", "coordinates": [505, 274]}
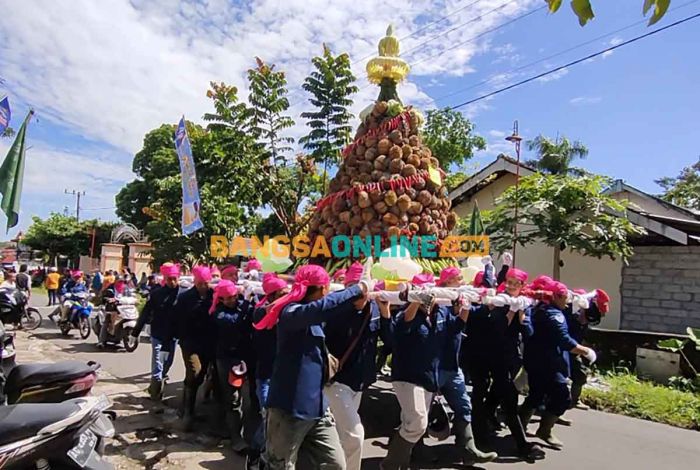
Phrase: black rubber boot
{"type": "Point", "coordinates": [525, 415]}
{"type": "Point", "coordinates": [544, 432]}
{"type": "Point", "coordinates": [189, 398]}
{"type": "Point", "coordinates": [526, 450]}
{"type": "Point", "coordinates": [399, 455]}
{"type": "Point", "coordinates": [155, 390]}
{"type": "Point", "coordinates": [464, 440]}
{"type": "Point", "coordinates": [421, 454]}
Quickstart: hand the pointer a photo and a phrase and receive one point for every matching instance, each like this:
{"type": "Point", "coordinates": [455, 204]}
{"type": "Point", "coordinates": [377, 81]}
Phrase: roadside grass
{"type": "Point", "coordinates": [637, 398]}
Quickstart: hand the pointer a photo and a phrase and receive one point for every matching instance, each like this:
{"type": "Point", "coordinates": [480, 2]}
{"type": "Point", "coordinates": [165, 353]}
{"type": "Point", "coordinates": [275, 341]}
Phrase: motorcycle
{"type": "Point", "coordinates": [79, 310]}
{"type": "Point", "coordinates": [42, 436]}
{"type": "Point", "coordinates": [125, 315]}
{"type": "Point", "coordinates": [14, 309]}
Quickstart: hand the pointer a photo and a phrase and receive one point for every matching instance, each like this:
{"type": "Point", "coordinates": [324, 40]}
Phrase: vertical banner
{"type": "Point", "coordinates": [5, 114]}
{"type": "Point", "coordinates": [190, 192]}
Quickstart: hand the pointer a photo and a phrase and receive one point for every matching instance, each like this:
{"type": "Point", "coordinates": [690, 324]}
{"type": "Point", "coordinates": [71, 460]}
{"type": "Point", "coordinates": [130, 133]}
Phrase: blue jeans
{"type": "Point", "coordinates": [452, 386]}
{"type": "Point", "coordinates": [262, 388]}
{"type": "Point", "coordinates": [161, 359]}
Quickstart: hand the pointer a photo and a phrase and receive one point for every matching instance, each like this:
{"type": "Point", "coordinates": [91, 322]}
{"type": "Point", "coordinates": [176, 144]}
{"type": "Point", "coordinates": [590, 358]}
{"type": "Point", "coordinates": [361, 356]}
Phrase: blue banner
{"type": "Point", "coordinates": [191, 203]}
{"type": "Point", "coordinates": [5, 114]}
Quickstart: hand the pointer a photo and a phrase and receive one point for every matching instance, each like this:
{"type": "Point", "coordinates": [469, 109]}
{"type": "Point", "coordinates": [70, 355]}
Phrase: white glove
{"type": "Point", "coordinates": [507, 259]}
{"type": "Point", "coordinates": [248, 293]}
{"type": "Point", "coordinates": [591, 355]}
{"type": "Point", "coordinates": [486, 260]}
{"type": "Point", "coordinates": [579, 303]}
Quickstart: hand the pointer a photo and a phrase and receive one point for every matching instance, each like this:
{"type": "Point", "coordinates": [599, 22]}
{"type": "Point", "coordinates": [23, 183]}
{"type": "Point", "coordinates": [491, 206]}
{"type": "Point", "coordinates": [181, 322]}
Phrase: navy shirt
{"type": "Point", "coordinates": [297, 382]}
{"type": "Point", "coordinates": [360, 369]}
{"type": "Point", "coordinates": [547, 350]}
{"type": "Point", "coordinates": [233, 330]}
{"type": "Point", "coordinates": [449, 360]}
{"type": "Point", "coordinates": [419, 346]}
{"type": "Point", "coordinates": [159, 311]}
{"type": "Point", "coordinates": [195, 326]}
{"type": "Point", "coordinates": [492, 338]}
{"type": "Point", "coordinates": [265, 346]}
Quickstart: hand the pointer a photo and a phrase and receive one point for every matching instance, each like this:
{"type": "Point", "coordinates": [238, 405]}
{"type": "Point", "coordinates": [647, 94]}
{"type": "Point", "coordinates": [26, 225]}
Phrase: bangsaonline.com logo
{"type": "Point", "coordinates": [356, 246]}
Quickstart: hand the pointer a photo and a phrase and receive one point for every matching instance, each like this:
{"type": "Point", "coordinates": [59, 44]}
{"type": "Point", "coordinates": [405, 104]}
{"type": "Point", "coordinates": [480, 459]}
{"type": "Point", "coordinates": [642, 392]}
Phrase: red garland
{"type": "Point", "coordinates": [394, 183]}
{"type": "Point", "coordinates": [386, 127]}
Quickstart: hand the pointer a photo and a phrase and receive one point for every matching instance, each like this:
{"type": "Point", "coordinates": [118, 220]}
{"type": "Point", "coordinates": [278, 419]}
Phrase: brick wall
{"type": "Point", "coordinates": [661, 289]}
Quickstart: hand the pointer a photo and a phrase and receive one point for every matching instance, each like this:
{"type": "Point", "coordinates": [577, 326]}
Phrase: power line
{"type": "Point", "coordinates": [565, 51]}
{"type": "Point", "coordinates": [488, 31]}
{"type": "Point", "coordinates": [575, 62]}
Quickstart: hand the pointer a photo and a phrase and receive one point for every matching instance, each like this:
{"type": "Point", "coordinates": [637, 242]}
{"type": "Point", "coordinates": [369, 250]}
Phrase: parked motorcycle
{"type": "Point", "coordinates": [79, 309]}
{"type": "Point", "coordinates": [63, 435]}
{"type": "Point", "coordinates": [15, 309]}
{"type": "Point", "coordinates": [124, 316]}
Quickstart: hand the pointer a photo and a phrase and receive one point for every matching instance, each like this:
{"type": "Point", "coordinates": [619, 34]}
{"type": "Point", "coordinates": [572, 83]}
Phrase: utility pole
{"type": "Point", "coordinates": [77, 195]}
{"type": "Point", "coordinates": [515, 138]}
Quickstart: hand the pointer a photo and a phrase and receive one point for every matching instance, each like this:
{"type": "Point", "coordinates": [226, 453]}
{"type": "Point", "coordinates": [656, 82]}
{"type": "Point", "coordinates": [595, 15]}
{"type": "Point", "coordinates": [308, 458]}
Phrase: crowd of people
{"type": "Point", "coordinates": [289, 365]}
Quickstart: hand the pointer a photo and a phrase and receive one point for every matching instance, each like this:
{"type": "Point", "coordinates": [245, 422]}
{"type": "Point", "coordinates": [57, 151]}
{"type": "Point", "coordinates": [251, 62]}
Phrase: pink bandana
{"type": "Point", "coordinates": [253, 264]}
{"type": "Point", "coordinates": [422, 279]}
{"type": "Point", "coordinates": [339, 275]}
{"type": "Point", "coordinates": [478, 279]}
{"type": "Point", "coordinates": [270, 284]}
{"type": "Point", "coordinates": [514, 273]}
{"type": "Point", "coordinates": [170, 270]}
{"type": "Point", "coordinates": [306, 276]}
{"type": "Point", "coordinates": [558, 288]}
{"type": "Point", "coordinates": [353, 274]}
{"type": "Point", "coordinates": [201, 274]}
{"type": "Point", "coordinates": [540, 282]}
{"type": "Point", "coordinates": [447, 274]}
{"type": "Point", "coordinates": [224, 288]}
{"type": "Point", "coordinates": [230, 271]}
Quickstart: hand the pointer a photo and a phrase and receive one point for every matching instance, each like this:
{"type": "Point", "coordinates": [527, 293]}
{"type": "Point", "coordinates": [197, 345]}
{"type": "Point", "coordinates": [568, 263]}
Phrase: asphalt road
{"type": "Point", "coordinates": [596, 441]}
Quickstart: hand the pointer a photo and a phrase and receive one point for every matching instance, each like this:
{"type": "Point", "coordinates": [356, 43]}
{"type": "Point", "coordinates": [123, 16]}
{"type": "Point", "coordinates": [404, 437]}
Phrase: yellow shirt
{"type": "Point", "coordinates": [52, 280]}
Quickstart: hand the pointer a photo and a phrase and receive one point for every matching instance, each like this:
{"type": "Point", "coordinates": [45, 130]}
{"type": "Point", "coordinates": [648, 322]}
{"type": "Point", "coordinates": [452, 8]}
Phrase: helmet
{"type": "Point", "coordinates": [438, 421]}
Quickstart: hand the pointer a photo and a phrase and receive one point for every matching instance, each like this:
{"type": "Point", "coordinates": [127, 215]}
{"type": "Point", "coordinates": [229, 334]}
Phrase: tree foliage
{"type": "Point", "coordinates": [450, 137]}
{"type": "Point", "coordinates": [63, 235]}
{"type": "Point", "coordinates": [684, 189]}
{"type": "Point", "coordinates": [331, 84]}
{"type": "Point", "coordinates": [563, 212]}
{"type": "Point", "coordinates": [555, 157]}
{"type": "Point", "coordinates": [584, 10]}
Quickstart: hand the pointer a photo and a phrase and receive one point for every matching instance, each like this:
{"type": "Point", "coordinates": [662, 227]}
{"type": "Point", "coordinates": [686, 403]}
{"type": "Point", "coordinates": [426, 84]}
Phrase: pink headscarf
{"type": "Point", "coordinates": [339, 275]}
{"type": "Point", "coordinates": [602, 301]}
{"type": "Point", "coordinates": [353, 274]}
{"type": "Point", "coordinates": [306, 276]}
{"type": "Point", "coordinates": [478, 279]}
{"type": "Point", "coordinates": [170, 270]}
{"type": "Point", "coordinates": [231, 269]}
{"type": "Point", "coordinates": [447, 274]}
{"type": "Point", "coordinates": [422, 279]}
{"type": "Point", "coordinates": [201, 274]}
{"type": "Point", "coordinates": [270, 284]}
{"type": "Point", "coordinates": [540, 282]}
{"type": "Point", "coordinates": [558, 288]}
{"type": "Point", "coordinates": [76, 274]}
{"type": "Point", "coordinates": [518, 274]}
{"type": "Point", "coordinates": [253, 264]}
{"type": "Point", "coordinates": [224, 288]}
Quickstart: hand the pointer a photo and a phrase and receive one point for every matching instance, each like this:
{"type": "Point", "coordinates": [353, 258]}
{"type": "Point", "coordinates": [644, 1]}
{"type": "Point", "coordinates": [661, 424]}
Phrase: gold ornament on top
{"type": "Point", "coordinates": [388, 66]}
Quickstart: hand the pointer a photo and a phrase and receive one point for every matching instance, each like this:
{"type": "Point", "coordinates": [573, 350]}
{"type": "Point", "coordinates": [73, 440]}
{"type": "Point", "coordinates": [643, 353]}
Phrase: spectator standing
{"type": "Point", "coordinates": [52, 283]}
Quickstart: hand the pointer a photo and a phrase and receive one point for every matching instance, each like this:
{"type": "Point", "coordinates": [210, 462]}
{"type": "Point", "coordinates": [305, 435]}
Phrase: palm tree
{"type": "Point", "coordinates": [555, 157]}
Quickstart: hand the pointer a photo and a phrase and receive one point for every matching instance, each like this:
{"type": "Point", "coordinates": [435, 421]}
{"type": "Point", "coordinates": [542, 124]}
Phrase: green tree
{"type": "Point", "coordinates": [563, 212]}
{"type": "Point", "coordinates": [450, 137]}
{"type": "Point", "coordinates": [63, 235]}
{"type": "Point", "coordinates": [684, 189]}
{"type": "Point", "coordinates": [331, 84]}
{"type": "Point", "coordinates": [555, 157]}
{"type": "Point", "coordinates": [153, 201]}
{"type": "Point", "coordinates": [584, 10]}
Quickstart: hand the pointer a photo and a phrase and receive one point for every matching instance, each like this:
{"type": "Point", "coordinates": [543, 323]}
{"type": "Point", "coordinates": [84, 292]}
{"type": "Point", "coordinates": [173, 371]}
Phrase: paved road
{"type": "Point", "coordinates": [597, 441]}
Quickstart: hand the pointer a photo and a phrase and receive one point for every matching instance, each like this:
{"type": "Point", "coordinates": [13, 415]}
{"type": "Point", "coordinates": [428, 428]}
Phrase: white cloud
{"type": "Point", "coordinates": [497, 133]}
{"type": "Point", "coordinates": [113, 70]}
{"type": "Point", "coordinates": [553, 76]}
{"type": "Point", "coordinates": [613, 42]}
{"type": "Point", "coordinates": [584, 100]}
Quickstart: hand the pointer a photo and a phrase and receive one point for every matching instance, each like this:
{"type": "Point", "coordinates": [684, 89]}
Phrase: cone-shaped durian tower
{"type": "Point", "coordinates": [388, 183]}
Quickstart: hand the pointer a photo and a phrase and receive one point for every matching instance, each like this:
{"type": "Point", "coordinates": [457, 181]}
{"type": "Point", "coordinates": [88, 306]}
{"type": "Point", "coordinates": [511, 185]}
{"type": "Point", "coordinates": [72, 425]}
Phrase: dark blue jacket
{"type": "Point", "coordinates": [419, 346]}
{"type": "Point", "coordinates": [360, 369]}
{"type": "Point", "coordinates": [297, 380]}
{"type": "Point", "coordinates": [195, 326]}
{"type": "Point", "coordinates": [576, 329]}
{"type": "Point", "coordinates": [547, 350]}
{"type": "Point", "coordinates": [159, 311]}
{"type": "Point", "coordinates": [265, 346]}
{"type": "Point", "coordinates": [449, 359]}
{"type": "Point", "coordinates": [233, 331]}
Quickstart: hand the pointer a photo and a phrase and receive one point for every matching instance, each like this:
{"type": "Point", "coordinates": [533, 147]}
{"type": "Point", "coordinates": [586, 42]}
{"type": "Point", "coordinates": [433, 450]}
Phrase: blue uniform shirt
{"type": "Point", "coordinates": [360, 369]}
{"type": "Point", "coordinates": [233, 332]}
{"type": "Point", "coordinates": [548, 348]}
{"type": "Point", "coordinates": [297, 382]}
{"type": "Point", "coordinates": [419, 346]}
{"type": "Point", "coordinates": [265, 345]}
{"type": "Point", "coordinates": [449, 359]}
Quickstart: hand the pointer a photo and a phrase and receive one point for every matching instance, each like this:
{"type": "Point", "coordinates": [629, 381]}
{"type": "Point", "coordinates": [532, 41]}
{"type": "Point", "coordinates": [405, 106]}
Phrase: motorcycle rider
{"type": "Point", "coordinates": [75, 285]}
{"type": "Point", "coordinates": [159, 312]}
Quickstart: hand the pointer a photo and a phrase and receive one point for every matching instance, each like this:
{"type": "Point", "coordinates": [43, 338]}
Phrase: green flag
{"type": "Point", "coordinates": [476, 226]}
{"type": "Point", "coordinates": [11, 175]}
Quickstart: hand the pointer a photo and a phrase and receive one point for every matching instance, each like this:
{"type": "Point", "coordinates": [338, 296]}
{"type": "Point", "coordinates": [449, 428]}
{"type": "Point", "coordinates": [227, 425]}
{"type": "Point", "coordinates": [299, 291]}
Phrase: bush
{"type": "Point", "coordinates": [640, 399]}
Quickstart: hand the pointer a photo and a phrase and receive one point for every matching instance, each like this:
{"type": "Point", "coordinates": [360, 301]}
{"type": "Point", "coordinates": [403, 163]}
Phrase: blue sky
{"type": "Point", "coordinates": [100, 75]}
